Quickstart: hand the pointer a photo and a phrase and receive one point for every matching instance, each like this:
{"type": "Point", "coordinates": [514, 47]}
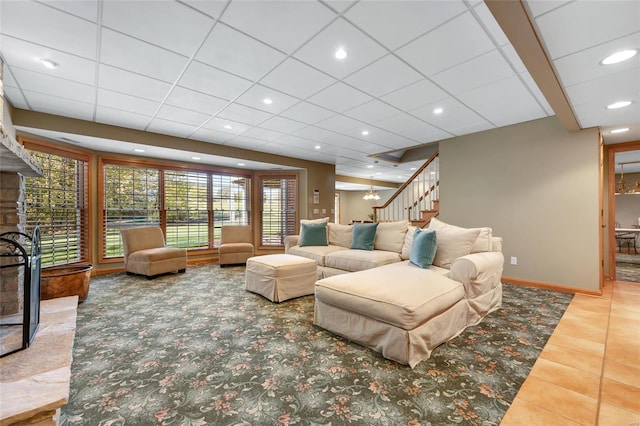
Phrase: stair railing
{"type": "Point", "coordinates": [414, 196]}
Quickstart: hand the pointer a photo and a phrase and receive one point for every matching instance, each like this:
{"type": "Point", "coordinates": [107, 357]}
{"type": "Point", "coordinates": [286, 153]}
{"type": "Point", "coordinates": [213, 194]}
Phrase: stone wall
{"type": "Point", "coordinates": [12, 218]}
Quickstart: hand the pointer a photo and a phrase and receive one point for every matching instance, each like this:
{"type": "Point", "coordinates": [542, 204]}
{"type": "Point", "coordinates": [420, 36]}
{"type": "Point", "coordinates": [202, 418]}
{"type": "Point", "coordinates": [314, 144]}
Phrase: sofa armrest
{"type": "Point", "coordinates": [478, 272]}
{"type": "Point", "coordinates": [290, 241]}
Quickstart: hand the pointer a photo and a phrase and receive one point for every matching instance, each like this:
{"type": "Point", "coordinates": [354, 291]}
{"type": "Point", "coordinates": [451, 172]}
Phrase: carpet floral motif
{"type": "Point", "coordinates": [197, 349]}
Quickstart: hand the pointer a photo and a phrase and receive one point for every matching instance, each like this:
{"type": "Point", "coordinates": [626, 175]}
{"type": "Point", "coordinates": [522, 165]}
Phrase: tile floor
{"type": "Point", "coordinates": [589, 371]}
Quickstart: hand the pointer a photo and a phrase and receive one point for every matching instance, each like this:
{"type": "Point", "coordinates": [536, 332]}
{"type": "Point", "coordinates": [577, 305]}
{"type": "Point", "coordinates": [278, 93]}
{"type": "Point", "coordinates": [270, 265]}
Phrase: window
{"type": "Point", "coordinates": [58, 203]}
{"type": "Point", "coordinates": [230, 199]}
{"type": "Point", "coordinates": [130, 198]}
{"type": "Point", "coordinates": [336, 208]}
{"type": "Point", "coordinates": [186, 209]}
{"type": "Point", "coordinates": [279, 207]}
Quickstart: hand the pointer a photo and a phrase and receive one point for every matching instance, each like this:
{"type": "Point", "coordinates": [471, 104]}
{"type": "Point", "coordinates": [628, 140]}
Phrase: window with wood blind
{"type": "Point", "coordinates": [230, 196]}
{"type": "Point", "coordinates": [58, 202]}
{"type": "Point", "coordinates": [279, 195]}
{"type": "Point", "coordinates": [131, 198]}
{"type": "Point", "coordinates": [186, 207]}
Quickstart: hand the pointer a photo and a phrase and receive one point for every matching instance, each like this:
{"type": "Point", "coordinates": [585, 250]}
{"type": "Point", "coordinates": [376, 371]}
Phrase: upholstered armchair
{"type": "Point", "coordinates": [145, 253]}
{"type": "Point", "coordinates": [236, 245]}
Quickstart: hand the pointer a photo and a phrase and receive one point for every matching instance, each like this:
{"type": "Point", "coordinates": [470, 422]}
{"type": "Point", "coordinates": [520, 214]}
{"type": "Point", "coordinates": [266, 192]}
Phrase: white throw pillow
{"type": "Point", "coordinates": [452, 242]}
{"type": "Point", "coordinates": [390, 236]}
{"type": "Point", "coordinates": [340, 235]}
{"type": "Point", "coordinates": [408, 242]}
{"type": "Point", "coordinates": [483, 243]}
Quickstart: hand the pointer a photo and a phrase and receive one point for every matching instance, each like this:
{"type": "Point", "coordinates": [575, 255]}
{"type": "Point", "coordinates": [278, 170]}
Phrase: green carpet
{"type": "Point", "coordinates": [197, 349]}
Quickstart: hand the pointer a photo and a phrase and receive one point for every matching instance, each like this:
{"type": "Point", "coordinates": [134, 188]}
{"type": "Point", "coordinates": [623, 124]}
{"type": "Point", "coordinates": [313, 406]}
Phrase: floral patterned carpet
{"type": "Point", "coordinates": [197, 349]}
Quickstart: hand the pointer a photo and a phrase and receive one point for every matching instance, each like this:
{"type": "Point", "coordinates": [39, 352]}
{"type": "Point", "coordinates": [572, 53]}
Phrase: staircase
{"type": "Point", "coordinates": [417, 199]}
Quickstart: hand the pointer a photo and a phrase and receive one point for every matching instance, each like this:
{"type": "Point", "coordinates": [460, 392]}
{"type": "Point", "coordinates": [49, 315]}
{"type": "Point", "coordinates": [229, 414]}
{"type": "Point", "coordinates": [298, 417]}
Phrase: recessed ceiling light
{"type": "Point", "coordinates": [621, 56]}
{"type": "Point", "coordinates": [620, 104]}
{"type": "Point", "coordinates": [620, 130]}
{"type": "Point", "coordinates": [379, 173]}
{"type": "Point", "coordinates": [370, 166]}
{"type": "Point", "coordinates": [228, 127]}
{"type": "Point", "coordinates": [413, 168]}
{"type": "Point", "coordinates": [267, 101]}
{"type": "Point", "coordinates": [438, 111]}
{"type": "Point", "coordinates": [195, 158]}
{"type": "Point", "coordinates": [399, 177]}
{"type": "Point", "coordinates": [365, 132]}
{"type": "Point", "coordinates": [317, 147]}
{"type": "Point", "coordinates": [240, 164]}
{"type": "Point", "coordinates": [340, 53]}
{"type": "Point", "coordinates": [48, 63]}
{"type": "Point", "coordinates": [138, 150]}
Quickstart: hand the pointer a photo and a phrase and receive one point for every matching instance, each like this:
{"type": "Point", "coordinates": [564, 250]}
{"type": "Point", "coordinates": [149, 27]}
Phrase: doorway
{"type": "Point", "coordinates": [624, 212]}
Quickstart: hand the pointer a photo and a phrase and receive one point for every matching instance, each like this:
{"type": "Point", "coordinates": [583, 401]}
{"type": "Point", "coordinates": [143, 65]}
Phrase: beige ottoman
{"type": "Point", "coordinates": [280, 277]}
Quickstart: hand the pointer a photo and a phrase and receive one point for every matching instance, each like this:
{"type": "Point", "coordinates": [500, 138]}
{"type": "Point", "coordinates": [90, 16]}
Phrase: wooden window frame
{"type": "Point", "coordinates": [260, 179]}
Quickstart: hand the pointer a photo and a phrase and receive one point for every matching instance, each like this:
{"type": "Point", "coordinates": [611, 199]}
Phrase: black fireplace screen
{"type": "Point", "coordinates": [19, 251]}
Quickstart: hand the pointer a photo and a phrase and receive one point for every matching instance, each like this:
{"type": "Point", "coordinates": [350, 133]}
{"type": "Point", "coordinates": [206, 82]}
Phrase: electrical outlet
{"type": "Point", "coordinates": [514, 260]}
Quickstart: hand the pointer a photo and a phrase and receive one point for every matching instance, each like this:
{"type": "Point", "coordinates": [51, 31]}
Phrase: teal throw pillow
{"type": "Point", "coordinates": [423, 248]}
{"type": "Point", "coordinates": [363, 236]}
{"type": "Point", "coordinates": [313, 234]}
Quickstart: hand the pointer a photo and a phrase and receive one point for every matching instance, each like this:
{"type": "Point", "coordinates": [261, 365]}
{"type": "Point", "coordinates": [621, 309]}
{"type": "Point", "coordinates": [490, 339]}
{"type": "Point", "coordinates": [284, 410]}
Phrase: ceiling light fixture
{"type": "Point", "coordinates": [48, 63]}
{"type": "Point", "coordinates": [317, 147]}
{"type": "Point", "coordinates": [438, 111]}
{"type": "Point", "coordinates": [195, 158]}
{"type": "Point", "coordinates": [413, 168]}
{"type": "Point", "coordinates": [371, 194]}
{"type": "Point", "coordinates": [138, 149]}
{"type": "Point", "coordinates": [620, 104]}
{"type": "Point", "coordinates": [624, 188]}
{"type": "Point", "coordinates": [340, 53]}
{"type": "Point", "coordinates": [365, 132]}
{"type": "Point", "coordinates": [370, 166]}
{"type": "Point", "coordinates": [267, 101]}
{"type": "Point", "coordinates": [620, 130]}
{"type": "Point", "coordinates": [618, 57]}
{"type": "Point", "coordinates": [228, 127]}
{"type": "Point", "coordinates": [240, 164]}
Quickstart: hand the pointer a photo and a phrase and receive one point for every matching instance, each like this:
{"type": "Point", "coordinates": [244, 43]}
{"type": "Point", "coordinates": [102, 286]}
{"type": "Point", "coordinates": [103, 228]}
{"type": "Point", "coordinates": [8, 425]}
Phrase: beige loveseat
{"type": "Point", "coordinates": [399, 309]}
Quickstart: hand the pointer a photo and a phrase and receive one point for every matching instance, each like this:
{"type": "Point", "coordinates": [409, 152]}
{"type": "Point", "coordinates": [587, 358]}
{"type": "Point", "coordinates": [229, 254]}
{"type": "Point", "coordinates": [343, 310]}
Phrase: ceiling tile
{"type": "Point", "coordinates": [395, 23]}
{"type": "Point", "coordinates": [513, 58]}
{"type": "Point", "coordinates": [504, 102]}
{"type": "Point", "coordinates": [195, 101]}
{"type": "Point", "coordinates": [188, 28]}
{"type": "Point", "coordinates": [172, 128]}
{"type": "Point", "coordinates": [213, 8]}
{"type": "Point", "coordinates": [565, 35]}
{"type": "Point", "coordinates": [361, 50]}
{"type": "Point", "coordinates": [282, 125]}
{"type": "Point", "coordinates": [339, 5]}
{"type": "Point", "coordinates": [206, 79]}
{"type": "Point", "coordinates": [538, 7]}
{"type": "Point", "coordinates": [307, 113]}
{"type": "Point", "coordinates": [262, 134]}
{"type": "Point", "coordinates": [412, 128]}
{"type": "Point", "coordinates": [476, 72]}
{"type": "Point", "coordinates": [212, 136]}
{"type": "Point", "coordinates": [27, 20]}
{"type": "Point", "coordinates": [297, 79]}
{"type": "Point", "coordinates": [255, 96]}
{"type": "Point", "coordinates": [53, 86]}
{"type": "Point", "coordinates": [315, 134]}
{"type": "Point", "coordinates": [118, 117]}
{"type": "Point", "coordinates": [454, 118]}
{"type": "Point", "coordinates": [489, 22]}
{"type": "Point", "coordinates": [415, 95]}
{"type": "Point", "coordinates": [134, 84]}
{"type": "Point", "coordinates": [537, 93]}
{"type": "Point", "coordinates": [296, 142]}
{"type": "Point", "coordinates": [226, 126]}
{"type": "Point", "coordinates": [21, 54]}
{"type": "Point", "coordinates": [339, 97]}
{"type": "Point", "coordinates": [181, 115]}
{"type": "Point", "coordinates": [121, 101]}
{"type": "Point", "coordinates": [607, 90]}
{"type": "Point", "coordinates": [244, 114]}
{"type": "Point", "coordinates": [381, 138]}
{"type": "Point", "coordinates": [355, 147]}
{"type": "Point", "coordinates": [339, 123]}
{"type": "Point", "coordinates": [57, 106]}
{"type": "Point", "coordinates": [384, 76]}
{"type": "Point", "coordinates": [454, 42]}
{"type": "Point", "coordinates": [87, 9]}
{"type": "Point", "coordinates": [15, 97]}
{"type": "Point", "coordinates": [245, 142]}
{"type": "Point", "coordinates": [237, 53]}
{"type": "Point", "coordinates": [590, 115]}
{"type": "Point", "coordinates": [143, 58]}
{"type": "Point", "coordinates": [7, 77]}
{"type": "Point", "coordinates": [372, 111]}
{"type": "Point", "coordinates": [282, 24]}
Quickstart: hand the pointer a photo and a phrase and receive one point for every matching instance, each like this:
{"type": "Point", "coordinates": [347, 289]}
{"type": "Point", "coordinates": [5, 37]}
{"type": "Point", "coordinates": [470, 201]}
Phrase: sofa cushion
{"type": "Point", "coordinates": [313, 234]}
{"type": "Point", "coordinates": [452, 242]}
{"type": "Point", "coordinates": [340, 235]}
{"type": "Point", "coordinates": [423, 248]}
{"type": "Point", "coordinates": [358, 260]}
{"type": "Point", "coordinates": [408, 240]}
{"type": "Point", "coordinates": [364, 235]}
{"type": "Point", "coordinates": [482, 243]}
{"type": "Point", "coordinates": [317, 253]}
{"type": "Point", "coordinates": [390, 236]}
{"type": "Point", "coordinates": [399, 294]}
{"type": "Point", "coordinates": [311, 221]}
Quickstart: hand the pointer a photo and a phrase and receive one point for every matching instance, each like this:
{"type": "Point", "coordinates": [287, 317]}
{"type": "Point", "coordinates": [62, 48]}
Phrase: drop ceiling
{"type": "Point", "coordinates": [201, 70]}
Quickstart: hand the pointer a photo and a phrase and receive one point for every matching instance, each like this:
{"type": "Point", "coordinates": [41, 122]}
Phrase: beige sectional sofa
{"type": "Point", "coordinates": [381, 300]}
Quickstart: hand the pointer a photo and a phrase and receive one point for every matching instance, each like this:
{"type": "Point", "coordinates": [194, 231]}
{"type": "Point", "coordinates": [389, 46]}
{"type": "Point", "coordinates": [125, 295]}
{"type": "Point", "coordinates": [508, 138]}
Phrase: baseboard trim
{"type": "Point", "coordinates": [550, 286]}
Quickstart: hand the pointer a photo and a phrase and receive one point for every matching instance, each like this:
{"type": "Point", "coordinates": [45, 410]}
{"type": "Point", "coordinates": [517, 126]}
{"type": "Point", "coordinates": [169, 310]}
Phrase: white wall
{"type": "Point", "coordinates": [537, 186]}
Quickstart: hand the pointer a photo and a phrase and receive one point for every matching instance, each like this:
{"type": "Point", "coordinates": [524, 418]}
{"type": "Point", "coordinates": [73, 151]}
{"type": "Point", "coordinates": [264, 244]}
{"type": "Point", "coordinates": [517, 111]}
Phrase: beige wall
{"type": "Point", "coordinates": [353, 207]}
{"type": "Point", "coordinates": [537, 186]}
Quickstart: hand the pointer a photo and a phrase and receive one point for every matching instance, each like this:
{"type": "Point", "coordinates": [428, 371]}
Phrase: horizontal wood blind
{"type": "Point", "coordinates": [230, 202]}
{"type": "Point", "coordinates": [279, 195]}
{"type": "Point", "coordinates": [186, 209]}
{"type": "Point", "coordinates": [58, 202]}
